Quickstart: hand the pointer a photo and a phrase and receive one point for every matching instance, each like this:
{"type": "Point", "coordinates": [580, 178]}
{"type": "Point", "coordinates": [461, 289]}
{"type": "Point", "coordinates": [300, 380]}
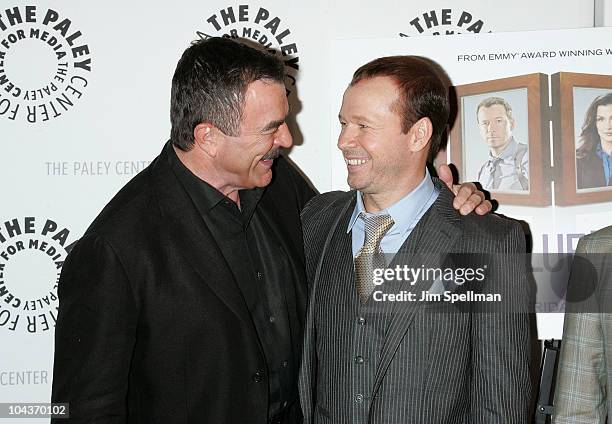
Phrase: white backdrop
{"type": "Point", "coordinates": [111, 64]}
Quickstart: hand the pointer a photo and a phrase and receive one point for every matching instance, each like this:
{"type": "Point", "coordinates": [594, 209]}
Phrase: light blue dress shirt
{"type": "Point", "coordinates": [406, 214]}
{"type": "Point", "coordinates": [606, 160]}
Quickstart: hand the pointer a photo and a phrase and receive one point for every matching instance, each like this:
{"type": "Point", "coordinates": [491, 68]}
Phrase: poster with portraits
{"type": "Point", "coordinates": [500, 138]}
{"type": "Point", "coordinates": [584, 129]}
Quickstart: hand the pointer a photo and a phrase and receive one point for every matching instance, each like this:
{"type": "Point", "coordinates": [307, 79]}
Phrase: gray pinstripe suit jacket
{"type": "Point", "coordinates": [585, 366]}
{"type": "Point", "coordinates": [411, 362]}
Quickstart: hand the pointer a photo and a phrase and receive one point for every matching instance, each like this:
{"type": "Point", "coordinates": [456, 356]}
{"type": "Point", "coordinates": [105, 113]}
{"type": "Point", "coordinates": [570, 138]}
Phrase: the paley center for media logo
{"type": "Point", "coordinates": [45, 64]}
{"type": "Point", "coordinates": [32, 253]}
{"type": "Point", "coordinates": [260, 25]}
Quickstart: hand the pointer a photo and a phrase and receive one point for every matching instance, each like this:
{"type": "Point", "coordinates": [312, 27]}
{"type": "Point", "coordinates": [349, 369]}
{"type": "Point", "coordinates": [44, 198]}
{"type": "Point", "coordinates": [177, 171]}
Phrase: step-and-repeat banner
{"type": "Point", "coordinates": [84, 106]}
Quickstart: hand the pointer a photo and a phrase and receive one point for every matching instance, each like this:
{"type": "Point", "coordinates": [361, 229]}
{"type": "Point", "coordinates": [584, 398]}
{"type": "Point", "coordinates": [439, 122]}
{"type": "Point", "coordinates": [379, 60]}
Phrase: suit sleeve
{"type": "Point", "coordinates": [94, 335]}
{"type": "Point", "coordinates": [580, 396]}
{"type": "Point", "coordinates": [501, 386]}
{"type": "Point", "coordinates": [307, 379]}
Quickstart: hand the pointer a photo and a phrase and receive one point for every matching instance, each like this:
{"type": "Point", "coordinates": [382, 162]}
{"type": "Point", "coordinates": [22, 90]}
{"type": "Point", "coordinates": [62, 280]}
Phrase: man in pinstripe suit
{"type": "Point", "coordinates": [368, 361]}
{"type": "Point", "coordinates": [585, 374]}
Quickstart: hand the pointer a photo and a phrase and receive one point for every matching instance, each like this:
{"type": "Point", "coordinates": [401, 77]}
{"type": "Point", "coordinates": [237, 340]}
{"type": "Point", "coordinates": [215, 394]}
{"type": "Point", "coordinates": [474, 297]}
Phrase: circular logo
{"type": "Point", "coordinates": [32, 253]}
{"type": "Point", "coordinates": [44, 64]}
{"type": "Point", "coordinates": [259, 25]}
{"type": "Point", "coordinates": [444, 21]}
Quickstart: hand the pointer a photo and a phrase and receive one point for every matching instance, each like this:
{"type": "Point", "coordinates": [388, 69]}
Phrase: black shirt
{"type": "Point", "coordinates": [260, 267]}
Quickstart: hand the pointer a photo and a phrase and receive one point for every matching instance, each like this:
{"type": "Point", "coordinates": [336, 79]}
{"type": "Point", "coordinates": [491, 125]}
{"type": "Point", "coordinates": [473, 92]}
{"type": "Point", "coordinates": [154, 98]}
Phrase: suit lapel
{"type": "Point", "coordinates": [192, 239]}
{"type": "Point", "coordinates": [427, 246]}
{"type": "Point", "coordinates": [342, 246]}
{"type": "Point", "coordinates": [269, 211]}
{"type": "Point", "coordinates": [343, 284]}
{"type": "Point", "coordinates": [338, 216]}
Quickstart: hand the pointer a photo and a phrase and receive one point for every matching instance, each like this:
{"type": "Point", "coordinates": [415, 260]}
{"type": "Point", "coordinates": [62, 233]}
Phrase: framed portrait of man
{"type": "Point", "coordinates": [500, 138]}
{"type": "Point", "coordinates": [582, 111]}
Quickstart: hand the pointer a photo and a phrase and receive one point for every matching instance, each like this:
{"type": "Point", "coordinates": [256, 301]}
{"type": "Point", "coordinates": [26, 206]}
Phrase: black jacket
{"type": "Point", "coordinates": [152, 327]}
{"type": "Point", "coordinates": [590, 172]}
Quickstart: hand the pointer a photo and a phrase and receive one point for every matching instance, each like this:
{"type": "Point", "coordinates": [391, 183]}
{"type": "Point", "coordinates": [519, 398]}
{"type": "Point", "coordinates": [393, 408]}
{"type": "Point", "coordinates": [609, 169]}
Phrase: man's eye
{"type": "Point", "coordinates": [362, 126]}
{"type": "Point", "coordinates": [342, 124]}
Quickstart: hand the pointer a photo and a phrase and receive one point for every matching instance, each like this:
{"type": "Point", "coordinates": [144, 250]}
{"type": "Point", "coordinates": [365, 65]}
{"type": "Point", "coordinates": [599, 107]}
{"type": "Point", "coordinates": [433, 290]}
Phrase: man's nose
{"type": "Point", "coordinates": [283, 137]}
{"type": "Point", "coordinates": [346, 139]}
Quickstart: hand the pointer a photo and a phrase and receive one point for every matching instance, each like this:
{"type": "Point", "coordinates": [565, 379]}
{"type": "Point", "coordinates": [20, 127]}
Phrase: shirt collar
{"type": "Point", "coordinates": [205, 196]}
{"type": "Point", "coordinates": [404, 211]}
{"type": "Point", "coordinates": [508, 153]}
{"type": "Point", "coordinates": [600, 152]}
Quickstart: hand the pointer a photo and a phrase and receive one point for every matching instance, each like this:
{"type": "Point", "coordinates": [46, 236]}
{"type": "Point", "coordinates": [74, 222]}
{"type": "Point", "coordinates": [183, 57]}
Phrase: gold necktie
{"type": "Point", "coordinates": [370, 256]}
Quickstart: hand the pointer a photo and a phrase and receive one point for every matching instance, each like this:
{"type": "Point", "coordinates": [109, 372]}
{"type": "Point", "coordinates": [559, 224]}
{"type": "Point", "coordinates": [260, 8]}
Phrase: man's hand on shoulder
{"type": "Point", "coordinates": [467, 196]}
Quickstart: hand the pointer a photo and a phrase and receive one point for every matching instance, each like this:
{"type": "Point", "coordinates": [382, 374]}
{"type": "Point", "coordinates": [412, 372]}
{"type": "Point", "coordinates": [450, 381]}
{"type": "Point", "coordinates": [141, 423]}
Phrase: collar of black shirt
{"type": "Point", "coordinates": [206, 197]}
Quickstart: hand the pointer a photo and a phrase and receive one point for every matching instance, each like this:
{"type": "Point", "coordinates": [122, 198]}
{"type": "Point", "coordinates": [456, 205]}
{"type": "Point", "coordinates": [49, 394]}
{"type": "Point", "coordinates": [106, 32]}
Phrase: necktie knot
{"type": "Point", "coordinates": [376, 227]}
{"type": "Point", "coordinates": [370, 255]}
{"type": "Point", "coordinates": [493, 162]}
{"type": "Point", "coordinates": [494, 169]}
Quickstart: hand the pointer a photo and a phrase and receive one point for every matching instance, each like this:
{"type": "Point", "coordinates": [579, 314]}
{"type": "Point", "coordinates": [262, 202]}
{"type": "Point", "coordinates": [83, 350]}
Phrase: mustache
{"type": "Point", "coordinates": [272, 154]}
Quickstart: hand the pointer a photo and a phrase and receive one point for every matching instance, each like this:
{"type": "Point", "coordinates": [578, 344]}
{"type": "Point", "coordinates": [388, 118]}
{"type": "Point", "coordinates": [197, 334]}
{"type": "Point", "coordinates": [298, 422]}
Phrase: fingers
{"type": "Point", "coordinates": [468, 198]}
{"type": "Point", "coordinates": [445, 174]}
{"type": "Point", "coordinates": [484, 208]}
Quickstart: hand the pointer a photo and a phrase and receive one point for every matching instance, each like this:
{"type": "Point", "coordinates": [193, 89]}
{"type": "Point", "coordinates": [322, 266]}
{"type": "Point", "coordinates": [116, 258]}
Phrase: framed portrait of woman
{"type": "Point", "coordinates": [582, 125]}
{"type": "Point", "coordinates": [501, 138]}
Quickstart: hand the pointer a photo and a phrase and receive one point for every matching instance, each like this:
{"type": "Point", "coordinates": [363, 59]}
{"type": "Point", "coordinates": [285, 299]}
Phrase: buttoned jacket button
{"type": "Point", "coordinates": [359, 359]}
{"type": "Point", "coordinates": [361, 321]}
{"type": "Point", "coordinates": [359, 398]}
{"type": "Point", "coordinates": [257, 376]}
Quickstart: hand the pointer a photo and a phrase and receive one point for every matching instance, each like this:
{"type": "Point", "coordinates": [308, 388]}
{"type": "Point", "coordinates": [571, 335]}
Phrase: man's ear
{"type": "Point", "coordinates": [512, 123]}
{"type": "Point", "coordinates": [420, 134]}
{"type": "Point", "coordinates": [205, 136]}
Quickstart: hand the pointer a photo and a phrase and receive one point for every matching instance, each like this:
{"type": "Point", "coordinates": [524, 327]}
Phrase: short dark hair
{"type": "Point", "coordinates": [492, 101]}
{"type": "Point", "coordinates": [209, 84]}
{"type": "Point", "coordinates": [421, 92]}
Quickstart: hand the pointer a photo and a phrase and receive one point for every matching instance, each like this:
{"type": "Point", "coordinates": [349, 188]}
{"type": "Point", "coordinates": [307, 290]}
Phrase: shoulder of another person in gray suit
{"type": "Point", "coordinates": [597, 242]}
{"type": "Point", "coordinates": [325, 205]}
{"type": "Point", "coordinates": [492, 227]}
